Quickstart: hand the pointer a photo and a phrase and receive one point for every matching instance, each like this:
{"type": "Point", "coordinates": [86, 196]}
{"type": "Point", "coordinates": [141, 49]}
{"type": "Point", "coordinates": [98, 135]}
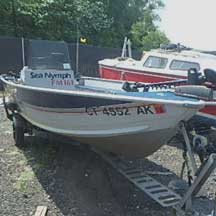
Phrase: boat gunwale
{"type": "Point", "coordinates": [109, 95]}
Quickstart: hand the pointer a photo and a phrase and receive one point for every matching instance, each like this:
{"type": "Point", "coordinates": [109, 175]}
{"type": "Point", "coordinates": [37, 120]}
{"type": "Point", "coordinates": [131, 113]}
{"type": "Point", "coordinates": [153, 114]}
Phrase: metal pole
{"type": "Point", "coordinates": [129, 48]}
{"type": "Point", "coordinates": [189, 150]}
{"type": "Point", "coordinates": [23, 51]}
{"type": "Point", "coordinates": [77, 50]}
{"type": "Point", "coordinates": [124, 48]}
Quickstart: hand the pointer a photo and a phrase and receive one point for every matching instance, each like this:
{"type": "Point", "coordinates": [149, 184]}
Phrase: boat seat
{"type": "Point", "coordinates": [210, 75]}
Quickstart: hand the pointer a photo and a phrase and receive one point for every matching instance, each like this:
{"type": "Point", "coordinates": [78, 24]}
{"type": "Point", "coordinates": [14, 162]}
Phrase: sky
{"type": "Point", "coordinates": [190, 22]}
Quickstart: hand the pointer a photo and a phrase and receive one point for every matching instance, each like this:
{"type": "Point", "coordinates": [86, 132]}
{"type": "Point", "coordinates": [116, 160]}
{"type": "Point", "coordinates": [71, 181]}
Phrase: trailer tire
{"type": "Point", "coordinates": [18, 131]}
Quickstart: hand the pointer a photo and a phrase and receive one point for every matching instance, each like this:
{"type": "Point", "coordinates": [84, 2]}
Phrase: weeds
{"type": "Point", "coordinates": [23, 181]}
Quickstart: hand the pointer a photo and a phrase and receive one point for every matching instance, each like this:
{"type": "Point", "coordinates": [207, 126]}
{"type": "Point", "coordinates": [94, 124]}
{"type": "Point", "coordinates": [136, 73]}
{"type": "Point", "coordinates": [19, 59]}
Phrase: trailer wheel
{"type": "Point", "coordinates": [18, 130]}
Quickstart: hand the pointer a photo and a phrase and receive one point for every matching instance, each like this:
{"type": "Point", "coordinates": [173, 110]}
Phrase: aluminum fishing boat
{"type": "Point", "coordinates": [92, 110]}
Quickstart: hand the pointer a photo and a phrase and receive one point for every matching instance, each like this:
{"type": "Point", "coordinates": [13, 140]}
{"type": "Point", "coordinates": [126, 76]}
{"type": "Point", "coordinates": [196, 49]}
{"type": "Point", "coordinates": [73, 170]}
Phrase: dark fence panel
{"type": "Point", "coordinates": [89, 57]}
{"type": "Point", "coordinates": [11, 56]}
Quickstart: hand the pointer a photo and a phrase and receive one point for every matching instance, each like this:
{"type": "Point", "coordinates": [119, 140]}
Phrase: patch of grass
{"type": "Point", "coordinates": [14, 152]}
{"type": "Point", "coordinates": [34, 158]}
{"type": "Point", "coordinates": [40, 154]}
{"type": "Point", "coordinates": [23, 181]}
{"type": "Point", "coordinates": [22, 163]}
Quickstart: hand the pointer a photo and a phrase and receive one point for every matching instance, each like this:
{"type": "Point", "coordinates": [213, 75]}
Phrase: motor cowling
{"type": "Point", "coordinates": [195, 77]}
{"type": "Point", "coordinates": [210, 75]}
{"type": "Point", "coordinates": [200, 92]}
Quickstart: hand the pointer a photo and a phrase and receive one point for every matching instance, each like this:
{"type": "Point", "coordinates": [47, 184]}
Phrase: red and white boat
{"type": "Point", "coordinates": [170, 63]}
{"type": "Point", "coordinates": [156, 65]}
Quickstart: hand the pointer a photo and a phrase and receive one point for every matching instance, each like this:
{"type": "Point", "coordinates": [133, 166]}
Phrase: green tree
{"type": "Point", "coordinates": [5, 22]}
{"type": "Point", "coordinates": [52, 19]}
{"type": "Point", "coordinates": [20, 17]}
{"type": "Point", "coordinates": [154, 39]}
{"type": "Point", "coordinates": [62, 19]}
{"type": "Point", "coordinates": [131, 18]}
{"type": "Point", "coordinates": [102, 22]}
{"type": "Point", "coordinates": [145, 34]}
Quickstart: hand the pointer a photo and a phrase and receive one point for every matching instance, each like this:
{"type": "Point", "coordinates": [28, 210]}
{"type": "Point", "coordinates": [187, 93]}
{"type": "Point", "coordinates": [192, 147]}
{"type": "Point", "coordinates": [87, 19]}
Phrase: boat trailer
{"type": "Point", "coordinates": [160, 193]}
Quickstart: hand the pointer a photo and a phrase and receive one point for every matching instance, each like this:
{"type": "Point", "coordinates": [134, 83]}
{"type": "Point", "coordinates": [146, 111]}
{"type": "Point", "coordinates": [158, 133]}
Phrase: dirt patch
{"type": "Point", "coordinates": [72, 180]}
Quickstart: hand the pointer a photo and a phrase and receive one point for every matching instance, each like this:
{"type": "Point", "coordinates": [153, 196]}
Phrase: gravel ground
{"type": "Point", "coordinates": [72, 180]}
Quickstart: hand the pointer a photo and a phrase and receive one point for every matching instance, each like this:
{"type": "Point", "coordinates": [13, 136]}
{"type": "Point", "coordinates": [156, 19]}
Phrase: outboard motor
{"type": "Point", "coordinates": [168, 46]}
{"type": "Point", "coordinates": [200, 92]}
{"type": "Point", "coordinates": [175, 47]}
{"type": "Point", "coordinates": [210, 75]}
{"type": "Point", "coordinates": [195, 77]}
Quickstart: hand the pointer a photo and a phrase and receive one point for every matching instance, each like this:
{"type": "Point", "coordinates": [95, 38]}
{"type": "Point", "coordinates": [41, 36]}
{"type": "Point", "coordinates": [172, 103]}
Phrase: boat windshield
{"type": "Point", "coordinates": [45, 55]}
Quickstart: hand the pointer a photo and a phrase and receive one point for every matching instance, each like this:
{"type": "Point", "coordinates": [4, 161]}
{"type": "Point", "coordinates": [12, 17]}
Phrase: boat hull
{"type": "Point", "coordinates": [116, 123]}
{"type": "Point", "coordinates": [131, 129]}
{"type": "Point", "coordinates": [135, 75]}
{"type": "Point", "coordinates": [132, 145]}
{"type": "Point", "coordinates": [135, 136]}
